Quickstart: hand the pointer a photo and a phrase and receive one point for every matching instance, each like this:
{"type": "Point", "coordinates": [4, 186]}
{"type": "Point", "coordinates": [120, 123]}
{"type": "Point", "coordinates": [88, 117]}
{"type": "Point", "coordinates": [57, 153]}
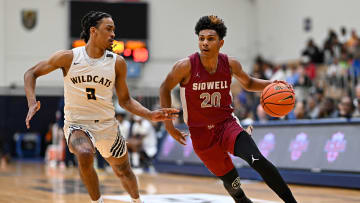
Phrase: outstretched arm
{"type": "Point", "coordinates": [130, 104]}
{"type": "Point", "coordinates": [179, 74]}
{"type": "Point", "coordinates": [61, 59]}
{"type": "Point", "coordinates": [247, 82]}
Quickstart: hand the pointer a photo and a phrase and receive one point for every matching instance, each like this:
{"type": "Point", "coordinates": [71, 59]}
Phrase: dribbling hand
{"type": "Point", "coordinates": [285, 83]}
{"type": "Point", "coordinates": [32, 110]}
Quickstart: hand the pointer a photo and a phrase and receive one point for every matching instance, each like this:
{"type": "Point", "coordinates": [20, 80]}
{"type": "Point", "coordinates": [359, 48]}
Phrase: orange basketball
{"type": "Point", "coordinates": [277, 99]}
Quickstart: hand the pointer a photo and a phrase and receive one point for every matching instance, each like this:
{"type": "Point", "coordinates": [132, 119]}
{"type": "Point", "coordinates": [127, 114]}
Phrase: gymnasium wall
{"type": "Point", "coordinates": [172, 35]}
{"type": "Point", "coordinates": [272, 28]}
{"type": "Point", "coordinates": [2, 44]}
{"type": "Point", "coordinates": [23, 48]}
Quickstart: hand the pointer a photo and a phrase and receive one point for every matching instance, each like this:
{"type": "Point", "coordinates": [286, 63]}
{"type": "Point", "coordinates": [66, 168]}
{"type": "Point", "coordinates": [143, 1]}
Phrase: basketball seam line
{"type": "Point", "coordinates": [279, 104]}
{"type": "Point", "coordinates": [271, 111]}
{"type": "Point", "coordinates": [276, 93]}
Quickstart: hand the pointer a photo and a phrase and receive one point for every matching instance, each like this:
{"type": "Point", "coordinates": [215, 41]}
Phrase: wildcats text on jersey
{"type": "Point", "coordinates": [210, 85]}
{"type": "Point", "coordinates": [90, 78]}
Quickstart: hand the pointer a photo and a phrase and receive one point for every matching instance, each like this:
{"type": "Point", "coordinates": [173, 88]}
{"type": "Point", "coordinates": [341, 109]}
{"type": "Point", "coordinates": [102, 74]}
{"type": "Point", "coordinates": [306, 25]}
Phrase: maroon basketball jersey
{"type": "Point", "coordinates": [206, 99]}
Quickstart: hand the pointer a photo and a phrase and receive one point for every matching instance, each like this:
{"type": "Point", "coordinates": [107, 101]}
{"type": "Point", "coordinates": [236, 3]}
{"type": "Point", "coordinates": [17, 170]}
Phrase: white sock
{"type": "Point", "coordinates": [136, 200]}
{"type": "Point", "coordinates": [100, 200]}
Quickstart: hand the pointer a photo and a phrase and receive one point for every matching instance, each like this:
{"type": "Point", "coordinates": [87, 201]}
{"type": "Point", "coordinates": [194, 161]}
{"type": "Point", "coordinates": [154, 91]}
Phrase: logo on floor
{"type": "Point", "coordinates": [182, 198]}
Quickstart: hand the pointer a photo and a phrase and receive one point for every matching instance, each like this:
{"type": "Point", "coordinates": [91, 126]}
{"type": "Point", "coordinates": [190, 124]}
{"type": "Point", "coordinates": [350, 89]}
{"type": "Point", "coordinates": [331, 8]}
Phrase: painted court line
{"type": "Point", "coordinates": [183, 198]}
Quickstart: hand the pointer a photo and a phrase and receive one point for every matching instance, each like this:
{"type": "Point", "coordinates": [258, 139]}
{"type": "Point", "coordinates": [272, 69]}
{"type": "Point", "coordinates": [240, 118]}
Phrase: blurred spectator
{"type": "Point", "coordinates": [143, 143]}
{"type": "Point", "coordinates": [328, 109]}
{"type": "Point", "coordinates": [248, 118]}
{"type": "Point", "coordinates": [261, 115]}
{"type": "Point", "coordinates": [356, 101]}
{"type": "Point", "coordinates": [312, 108]}
{"type": "Point", "coordinates": [334, 73]}
{"type": "Point", "coordinates": [330, 47]}
{"type": "Point", "coordinates": [280, 73]}
{"type": "Point", "coordinates": [346, 107]}
{"type": "Point", "coordinates": [302, 84]}
{"type": "Point", "coordinates": [352, 43]}
{"type": "Point", "coordinates": [240, 104]}
{"type": "Point", "coordinates": [300, 110]}
{"type": "Point", "coordinates": [355, 67]}
{"type": "Point", "coordinates": [313, 52]}
{"type": "Point", "coordinates": [55, 154]}
{"type": "Point", "coordinates": [292, 76]}
{"type": "Point", "coordinates": [55, 148]}
{"type": "Point", "coordinates": [318, 94]}
{"type": "Point", "coordinates": [343, 37]}
{"type": "Point", "coordinates": [124, 125]}
{"type": "Point", "coordinates": [258, 68]}
{"type": "Point", "coordinates": [303, 80]}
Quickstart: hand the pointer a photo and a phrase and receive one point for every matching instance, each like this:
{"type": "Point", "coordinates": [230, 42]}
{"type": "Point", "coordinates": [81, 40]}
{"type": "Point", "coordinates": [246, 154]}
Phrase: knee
{"type": "Point", "coordinates": [85, 157]}
{"type": "Point", "coordinates": [232, 184]}
{"type": "Point", "coordinates": [122, 171]}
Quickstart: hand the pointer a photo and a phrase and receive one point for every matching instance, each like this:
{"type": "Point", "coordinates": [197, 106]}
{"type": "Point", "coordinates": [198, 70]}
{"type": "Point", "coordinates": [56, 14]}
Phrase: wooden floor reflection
{"type": "Point", "coordinates": [34, 182]}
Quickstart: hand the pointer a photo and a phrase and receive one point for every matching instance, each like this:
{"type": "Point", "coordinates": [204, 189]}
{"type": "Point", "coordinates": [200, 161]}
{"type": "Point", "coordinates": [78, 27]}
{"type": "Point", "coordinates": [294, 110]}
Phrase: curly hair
{"type": "Point", "coordinates": [213, 23]}
{"type": "Point", "coordinates": [91, 19]}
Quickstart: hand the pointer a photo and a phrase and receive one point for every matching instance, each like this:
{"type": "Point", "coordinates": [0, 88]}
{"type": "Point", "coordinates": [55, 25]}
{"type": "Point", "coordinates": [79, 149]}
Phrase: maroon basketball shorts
{"type": "Point", "coordinates": [213, 143]}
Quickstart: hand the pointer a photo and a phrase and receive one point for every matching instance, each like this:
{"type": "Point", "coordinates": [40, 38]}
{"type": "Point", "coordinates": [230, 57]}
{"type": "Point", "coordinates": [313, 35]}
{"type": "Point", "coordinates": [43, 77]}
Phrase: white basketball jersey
{"type": "Point", "coordinates": [88, 87]}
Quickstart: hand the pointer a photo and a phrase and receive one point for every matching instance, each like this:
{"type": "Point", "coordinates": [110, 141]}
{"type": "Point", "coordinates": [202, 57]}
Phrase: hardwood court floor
{"type": "Point", "coordinates": [35, 183]}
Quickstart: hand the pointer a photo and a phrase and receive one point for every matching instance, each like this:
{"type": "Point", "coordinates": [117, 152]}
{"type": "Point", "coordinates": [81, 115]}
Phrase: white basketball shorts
{"type": "Point", "coordinates": [104, 135]}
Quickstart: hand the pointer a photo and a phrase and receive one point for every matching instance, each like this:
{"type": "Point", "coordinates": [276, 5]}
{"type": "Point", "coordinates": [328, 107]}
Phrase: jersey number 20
{"type": "Point", "coordinates": [90, 93]}
{"type": "Point", "coordinates": [210, 100]}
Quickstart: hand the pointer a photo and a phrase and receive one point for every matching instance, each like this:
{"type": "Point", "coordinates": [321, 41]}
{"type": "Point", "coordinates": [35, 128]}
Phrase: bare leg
{"type": "Point", "coordinates": [122, 169]}
{"type": "Point", "coordinates": [83, 149]}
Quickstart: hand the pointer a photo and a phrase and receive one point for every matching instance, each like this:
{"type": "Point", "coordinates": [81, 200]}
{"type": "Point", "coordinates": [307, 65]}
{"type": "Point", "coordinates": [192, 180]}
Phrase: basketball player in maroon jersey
{"type": "Point", "coordinates": [205, 79]}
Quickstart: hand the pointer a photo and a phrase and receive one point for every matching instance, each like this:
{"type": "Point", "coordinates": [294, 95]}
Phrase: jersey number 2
{"type": "Point", "coordinates": [212, 100]}
{"type": "Point", "coordinates": [91, 93]}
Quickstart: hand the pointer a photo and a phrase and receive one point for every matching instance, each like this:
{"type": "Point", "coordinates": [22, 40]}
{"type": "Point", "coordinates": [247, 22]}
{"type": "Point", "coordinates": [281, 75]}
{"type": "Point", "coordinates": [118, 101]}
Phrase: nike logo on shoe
{"type": "Point", "coordinates": [75, 63]}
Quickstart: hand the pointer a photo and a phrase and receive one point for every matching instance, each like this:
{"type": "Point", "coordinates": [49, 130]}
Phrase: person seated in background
{"type": "Point", "coordinates": [123, 123]}
{"type": "Point", "coordinates": [313, 52]}
{"type": "Point", "coordinates": [262, 117]}
{"type": "Point", "coordinates": [356, 101]}
{"type": "Point", "coordinates": [312, 108]}
{"type": "Point", "coordinates": [142, 143]}
{"type": "Point", "coordinates": [328, 109]}
{"type": "Point", "coordinates": [346, 107]}
{"type": "Point", "coordinates": [300, 110]}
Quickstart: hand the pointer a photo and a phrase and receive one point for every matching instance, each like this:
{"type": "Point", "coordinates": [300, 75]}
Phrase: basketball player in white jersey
{"type": "Point", "coordinates": [90, 75]}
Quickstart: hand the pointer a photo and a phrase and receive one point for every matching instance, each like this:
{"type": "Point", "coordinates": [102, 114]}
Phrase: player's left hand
{"type": "Point", "coordinates": [164, 114]}
{"type": "Point", "coordinates": [249, 129]}
{"type": "Point", "coordinates": [32, 110]}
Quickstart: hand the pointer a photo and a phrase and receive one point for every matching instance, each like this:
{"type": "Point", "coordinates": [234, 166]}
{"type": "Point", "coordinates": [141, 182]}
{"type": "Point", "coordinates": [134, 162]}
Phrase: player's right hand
{"type": "Point", "coordinates": [178, 135]}
{"type": "Point", "coordinates": [32, 110]}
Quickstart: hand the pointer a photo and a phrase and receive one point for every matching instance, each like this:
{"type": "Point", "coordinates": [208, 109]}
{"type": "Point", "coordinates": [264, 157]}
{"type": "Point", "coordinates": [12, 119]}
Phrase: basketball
{"type": "Point", "coordinates": [277, 99]}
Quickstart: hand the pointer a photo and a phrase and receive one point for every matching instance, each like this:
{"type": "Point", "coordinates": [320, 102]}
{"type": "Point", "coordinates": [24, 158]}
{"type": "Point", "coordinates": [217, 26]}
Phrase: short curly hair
{"type": "Point", "coordinates": [211, 22]}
